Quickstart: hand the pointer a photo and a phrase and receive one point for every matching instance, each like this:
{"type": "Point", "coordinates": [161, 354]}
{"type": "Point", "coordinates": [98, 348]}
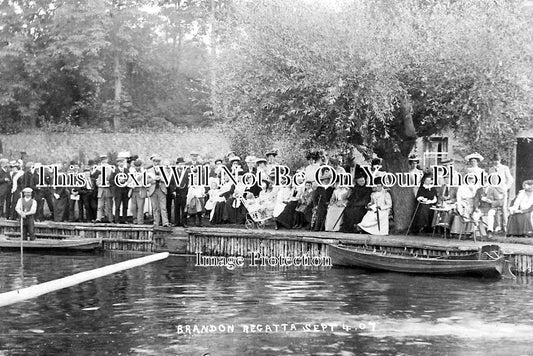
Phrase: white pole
{"type": "Point", "coordinates": [20, 295]}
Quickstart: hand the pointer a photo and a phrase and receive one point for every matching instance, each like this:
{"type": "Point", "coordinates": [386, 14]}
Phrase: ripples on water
{"type": "Point", "coordinates": [138, 311]}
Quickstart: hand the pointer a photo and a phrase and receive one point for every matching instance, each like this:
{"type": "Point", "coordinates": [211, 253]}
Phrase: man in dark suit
{"type": "Point", "coordinates": [120, 193]}
{"type": "Point", "coordinates": [88, 192]}
{"type": "Point", "coordinates": [5, 187]}
{"type": "Point", "coordinates": [180, 196]}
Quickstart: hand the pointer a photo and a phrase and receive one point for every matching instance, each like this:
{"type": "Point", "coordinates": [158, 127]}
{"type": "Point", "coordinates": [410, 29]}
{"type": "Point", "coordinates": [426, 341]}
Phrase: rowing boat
{"type": "Point", "coordinates": [491, 263]}
{"type": "Point", "coordinates": [83, 244]}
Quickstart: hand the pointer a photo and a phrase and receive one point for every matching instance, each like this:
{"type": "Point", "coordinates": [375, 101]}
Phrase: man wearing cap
{"type": "Point", "coordinates": [120, 192]}
{"type": "Point", "coordinates": [26, 208]}
{"type": "Point", "coordinates": [104, 210]}
{"type": "Point", "coordinates": [157, 191]}
{"type": "Point", "coordinates": [5, 188]}
{"type": "Point", "coordinates": [506, 183]}
{"type": "Point", "coordinates": [195, 160]}
{"type": "Point", "coordinates": [138, 193]}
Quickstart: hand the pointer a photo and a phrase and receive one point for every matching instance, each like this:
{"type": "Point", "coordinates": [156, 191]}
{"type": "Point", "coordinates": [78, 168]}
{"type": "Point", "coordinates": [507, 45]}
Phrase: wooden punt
{"type": "Point", "coordinates": [486, 264]}
{"type": "Point", "coordinates": [51, 244]}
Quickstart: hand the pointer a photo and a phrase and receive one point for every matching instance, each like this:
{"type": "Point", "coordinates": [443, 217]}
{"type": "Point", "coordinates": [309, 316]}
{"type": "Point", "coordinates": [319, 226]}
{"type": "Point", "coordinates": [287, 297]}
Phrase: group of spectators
{"type": "Point", "coordinates": [313, 206]}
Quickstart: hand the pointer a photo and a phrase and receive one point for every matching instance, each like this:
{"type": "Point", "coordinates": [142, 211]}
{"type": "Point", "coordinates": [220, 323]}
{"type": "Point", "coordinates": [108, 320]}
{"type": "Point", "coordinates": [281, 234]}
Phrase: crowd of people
{"type": "Point", "coordinates": [328, 206]}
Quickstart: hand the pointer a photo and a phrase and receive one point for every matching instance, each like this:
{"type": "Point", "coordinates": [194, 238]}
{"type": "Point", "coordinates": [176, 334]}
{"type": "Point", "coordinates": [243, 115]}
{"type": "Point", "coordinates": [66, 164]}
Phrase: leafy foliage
{"type": "Point", "coordinates": [379, 73]}
{"type": "Point", "coordinates": [68, 61]}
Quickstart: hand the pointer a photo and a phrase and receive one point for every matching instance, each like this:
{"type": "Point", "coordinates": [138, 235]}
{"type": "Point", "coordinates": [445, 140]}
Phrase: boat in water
{"type": "Point", "coordinates": [80, 244]}
{"type": "Point", "coordinates": [487, 261]}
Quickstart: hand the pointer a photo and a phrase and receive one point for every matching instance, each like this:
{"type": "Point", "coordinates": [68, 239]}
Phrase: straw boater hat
{"type": "Point", "coordinates": [219, 160]}
{"type": "Point", "coordinates": [261, 160]}
{"type": "Point", "coordinates": [414, 158]}
{"type": "Point", "coordinates": [474, 155]}
{"type": "Point", "coordinates": [446, 161]}
{"type": "Point", "coordinates": [271, 153]}
{"type": "Point", "coordinates": [27, 190]}
{"type": "Point", "coordinates": [194, 153]}
{"type": "Point", "coordinates": [234, 158]}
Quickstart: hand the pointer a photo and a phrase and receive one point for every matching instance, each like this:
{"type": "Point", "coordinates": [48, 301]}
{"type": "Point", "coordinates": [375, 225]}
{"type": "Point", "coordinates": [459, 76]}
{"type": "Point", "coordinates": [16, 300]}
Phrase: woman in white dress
{"type": "Point", "coordinates": [376, 219]}
{"type": "Point", "coordinates": [521, 218]}
{"type": "Point", "coordinates": [337, 203]}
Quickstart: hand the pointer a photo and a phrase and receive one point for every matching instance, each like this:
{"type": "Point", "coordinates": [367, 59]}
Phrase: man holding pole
{"type": "Point", "coordinates": [26, 208]}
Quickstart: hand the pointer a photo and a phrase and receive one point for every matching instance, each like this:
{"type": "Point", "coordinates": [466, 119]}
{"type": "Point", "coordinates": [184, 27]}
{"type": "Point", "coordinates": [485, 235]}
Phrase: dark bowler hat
{"type": "Point", "coordinates": [376, 161]}
{"type": "Point", "coordinates": [180, 160]}
{"type": "Point", "coordinates": [271, 153]}
{"type": "Point", "coordinates": [138, 163]}
{"type": "Point", "coordinates": [91, 162]}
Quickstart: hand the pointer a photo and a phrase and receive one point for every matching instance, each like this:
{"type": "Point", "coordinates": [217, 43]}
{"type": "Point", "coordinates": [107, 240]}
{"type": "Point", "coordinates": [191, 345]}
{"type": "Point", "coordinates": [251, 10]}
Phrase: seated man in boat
{"type": "Point", "coordinates": [27, 207]}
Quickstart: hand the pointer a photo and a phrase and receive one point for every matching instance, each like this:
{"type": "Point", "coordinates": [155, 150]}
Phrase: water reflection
{"type": "Point", "coordinates": [139, 311]}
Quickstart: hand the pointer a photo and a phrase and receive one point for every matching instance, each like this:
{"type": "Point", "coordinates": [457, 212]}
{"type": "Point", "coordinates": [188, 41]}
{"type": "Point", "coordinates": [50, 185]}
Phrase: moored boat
{"type": "Point", "coordinates": [81, 244]}
{"type": "Point", "coordinates": [488, 261]}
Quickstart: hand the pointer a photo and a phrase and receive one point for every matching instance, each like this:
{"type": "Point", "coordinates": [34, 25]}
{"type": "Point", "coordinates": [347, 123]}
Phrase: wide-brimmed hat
{"type": "Point", "coordinates": [234, 158]}
{"type": "Point", "coordinates": [155, 157]}
{"type": "Point", "coordinates": [123, 155]}
{"type": "Point", "coordinates": [102, 156]}
{"type": "Point", "coordinates": [446, 161]}
{"type": "Point", "coordinates": [474, 155]}
{"type": "Point", "coordinates": [261, 160]}
{"type": "Point", "coordinates": [27, 190]}
{"type": "Point", "coordinates": [250, 159]}
{"type": "Point", "coordinates": [219, 160]}
{"type": "Point", "coordinates": [194, 153]}
{"type": "Point", "coordinates": [527, 182]}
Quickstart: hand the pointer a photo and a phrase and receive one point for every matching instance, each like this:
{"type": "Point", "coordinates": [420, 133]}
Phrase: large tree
{"type": "Point", "coordinates": [379, 74]}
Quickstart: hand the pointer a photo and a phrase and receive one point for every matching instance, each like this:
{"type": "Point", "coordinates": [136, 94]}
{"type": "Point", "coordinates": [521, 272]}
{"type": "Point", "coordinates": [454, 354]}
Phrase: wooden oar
{"type": "Point", "coordinates": [20, 295]}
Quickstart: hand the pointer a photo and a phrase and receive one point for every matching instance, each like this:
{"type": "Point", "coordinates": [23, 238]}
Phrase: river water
{"type": "Point", "coordinates": [324, 311]}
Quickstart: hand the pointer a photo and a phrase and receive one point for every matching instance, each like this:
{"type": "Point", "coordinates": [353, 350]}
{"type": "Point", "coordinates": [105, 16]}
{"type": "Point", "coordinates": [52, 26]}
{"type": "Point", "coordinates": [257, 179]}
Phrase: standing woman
{"type": "Point", "coordinates": [426, 198]}
{"type": "Point", "coordinates": [376, 219]}
{"type": "Point", "coordinates": [520, 220]}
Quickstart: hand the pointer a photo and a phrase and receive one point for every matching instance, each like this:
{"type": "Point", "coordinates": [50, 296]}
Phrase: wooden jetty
{"type": "Point", "coordinates": [236, 241]}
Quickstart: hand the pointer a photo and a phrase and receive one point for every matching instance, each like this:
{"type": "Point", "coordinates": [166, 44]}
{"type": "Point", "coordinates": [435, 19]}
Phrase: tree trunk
{"type": "Point", "coordinates": [403, 199]}
{"type": "Point", "coordinates": [118, 93]}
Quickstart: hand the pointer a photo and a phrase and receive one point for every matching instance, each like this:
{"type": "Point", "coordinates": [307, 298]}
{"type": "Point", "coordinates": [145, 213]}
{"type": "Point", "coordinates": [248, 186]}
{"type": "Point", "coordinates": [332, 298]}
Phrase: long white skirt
{"type": "Point", "coordinates": [333, 218]}
{"type": "Point", "coordinates": [370, 222]}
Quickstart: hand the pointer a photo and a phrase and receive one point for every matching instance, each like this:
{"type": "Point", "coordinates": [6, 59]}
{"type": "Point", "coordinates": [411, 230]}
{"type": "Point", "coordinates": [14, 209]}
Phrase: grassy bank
{"type": "Point", "coordinates": [60, 147]}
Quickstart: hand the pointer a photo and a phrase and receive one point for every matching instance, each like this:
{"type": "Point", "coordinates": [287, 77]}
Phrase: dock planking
{"type": "Point", "coordinates": [227, 241]}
